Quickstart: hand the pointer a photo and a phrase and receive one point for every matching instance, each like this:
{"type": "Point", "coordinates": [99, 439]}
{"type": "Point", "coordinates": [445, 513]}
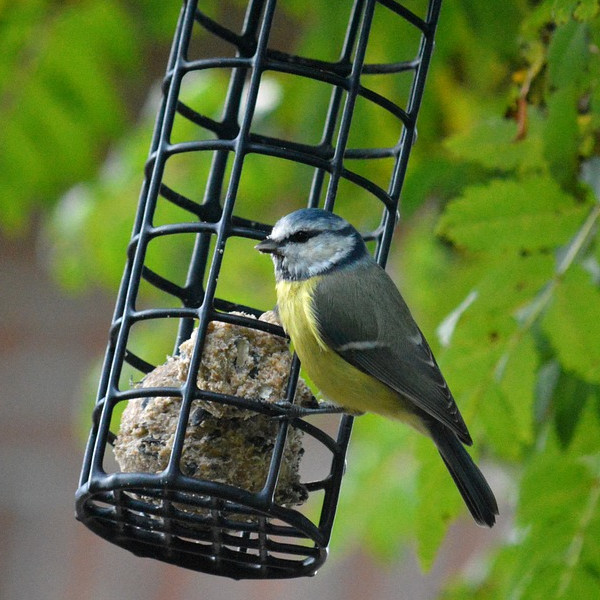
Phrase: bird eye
{"type": "Point", "coordinates": [301, 236]}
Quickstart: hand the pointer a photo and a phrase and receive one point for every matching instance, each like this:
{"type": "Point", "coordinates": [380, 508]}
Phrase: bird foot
{"type": "Point", "coordinates": [296, 411]}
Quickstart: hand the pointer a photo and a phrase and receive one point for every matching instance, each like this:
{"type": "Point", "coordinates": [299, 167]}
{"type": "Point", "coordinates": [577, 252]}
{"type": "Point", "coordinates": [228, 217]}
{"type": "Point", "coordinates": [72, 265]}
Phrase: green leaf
{"type": "Point", "coordinates": [491, 363]}
{"type": "Point", "coordinates": [586, 10]}
{"type": "Point", "coordinates": [561, 135]}
{"type": "Point", "coordinates": [70, 76]}
{"type": "Point", "coordinates": [555, 11]}
{"type": "Point", "coordinates": [586, 439]}
{"type": "Point", "coordinates": [496, 584]}
{"type": "Point", "coordinates": [501, 412]}
{"type": "Point", "coordinates": [493, 144]}
{"type": "Point", "coordinates": [562, 9]}
{"type": "Point", "coordinates": [572, 324]}
{"type": "Point", "coordinates": [555, 552]}
{"type": "Point", "coordinates": [560, 501]}
{"type": "Point", "coordinates": [558, 477]}
{"type": "Point", "coordinates": [569, 398]}
{"type": "Point", "coordinates": [381, 458]}
{"type": "Point", "coordinates": [439, 503]}
{"type": "Point", "coordinates": [516, 374]}
{"type": "Point", "coordinates": [433, 279]}
{"type": "Point", "coordinates": [506, 214]}
{"type": "Point", "coordinates": [590, 174]}
{"type": "Point", "coordinates": [545, 387]}
{"type": "Point", "coordinates": [568, 55]}
{"type": "Point", "coordinates": [61, 100]}
{"type": "Point", "coordinates": [494, 424]}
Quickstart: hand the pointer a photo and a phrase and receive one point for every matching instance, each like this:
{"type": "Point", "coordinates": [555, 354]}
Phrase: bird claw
{"type": "Point", "coordinates": [295, 411]}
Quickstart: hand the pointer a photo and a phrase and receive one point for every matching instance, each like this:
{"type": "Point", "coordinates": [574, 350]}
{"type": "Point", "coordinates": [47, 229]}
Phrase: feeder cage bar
{"type": "Point", "coordinates": [169, 513]}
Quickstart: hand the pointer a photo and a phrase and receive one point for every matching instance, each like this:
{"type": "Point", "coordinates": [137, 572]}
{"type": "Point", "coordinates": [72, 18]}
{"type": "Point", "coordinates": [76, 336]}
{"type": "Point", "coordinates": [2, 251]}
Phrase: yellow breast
{"type": "Point", "coordinates": [337, 380]}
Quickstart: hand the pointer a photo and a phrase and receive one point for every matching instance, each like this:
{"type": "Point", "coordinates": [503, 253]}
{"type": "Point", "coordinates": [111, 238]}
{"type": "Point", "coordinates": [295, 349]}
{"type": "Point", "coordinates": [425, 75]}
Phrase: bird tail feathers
{"type": "Point", "coordinates": [469, 480]}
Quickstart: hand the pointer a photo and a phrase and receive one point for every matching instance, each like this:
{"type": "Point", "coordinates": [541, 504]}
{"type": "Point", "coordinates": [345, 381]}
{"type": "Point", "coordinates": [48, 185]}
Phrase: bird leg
{"type": "Point", "coordinates": [323, 408]}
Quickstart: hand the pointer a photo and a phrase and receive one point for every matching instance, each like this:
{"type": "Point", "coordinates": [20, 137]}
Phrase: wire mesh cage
{"type": "Point", "coordinates": [210, 473]}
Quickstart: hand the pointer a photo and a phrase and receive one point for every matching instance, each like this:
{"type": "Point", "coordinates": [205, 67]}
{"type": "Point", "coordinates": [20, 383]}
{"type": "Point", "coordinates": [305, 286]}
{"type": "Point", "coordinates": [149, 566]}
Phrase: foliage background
{"type": "Point", "coordinates": [497, 253]}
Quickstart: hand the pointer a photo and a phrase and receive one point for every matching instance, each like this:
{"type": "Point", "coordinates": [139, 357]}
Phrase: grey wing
{"type": "Point", "coordinates": [370, 326]}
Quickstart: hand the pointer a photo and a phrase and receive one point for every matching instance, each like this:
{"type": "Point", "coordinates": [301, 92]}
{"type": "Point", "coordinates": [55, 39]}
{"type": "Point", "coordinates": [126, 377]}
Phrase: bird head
{"type": "Point", "coordinates": [310, 242]}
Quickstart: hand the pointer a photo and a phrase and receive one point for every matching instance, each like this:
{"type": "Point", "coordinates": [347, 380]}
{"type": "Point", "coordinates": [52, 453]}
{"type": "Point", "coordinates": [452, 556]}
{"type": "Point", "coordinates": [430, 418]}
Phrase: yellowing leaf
{"type": "Point", "coordinates": [586, 10]}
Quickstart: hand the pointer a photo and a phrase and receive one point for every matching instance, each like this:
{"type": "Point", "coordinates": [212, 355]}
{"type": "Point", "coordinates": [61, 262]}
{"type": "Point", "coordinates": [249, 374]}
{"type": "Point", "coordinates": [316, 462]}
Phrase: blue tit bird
{"type": "Point", "coordinates": [359, 343]}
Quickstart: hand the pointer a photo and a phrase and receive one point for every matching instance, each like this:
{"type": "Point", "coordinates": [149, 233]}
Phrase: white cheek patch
{"type": "Point", "coordinates": [318, 254]}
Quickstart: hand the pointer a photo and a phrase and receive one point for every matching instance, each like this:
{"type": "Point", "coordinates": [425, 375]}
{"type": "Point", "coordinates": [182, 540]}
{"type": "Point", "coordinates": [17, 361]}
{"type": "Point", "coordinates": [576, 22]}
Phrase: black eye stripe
{"type": "Point", "coordinates": [299, 237]}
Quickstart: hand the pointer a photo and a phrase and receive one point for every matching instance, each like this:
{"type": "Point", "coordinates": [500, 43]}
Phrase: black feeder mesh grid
{"type": "Point", "coordinates": [177, 494]}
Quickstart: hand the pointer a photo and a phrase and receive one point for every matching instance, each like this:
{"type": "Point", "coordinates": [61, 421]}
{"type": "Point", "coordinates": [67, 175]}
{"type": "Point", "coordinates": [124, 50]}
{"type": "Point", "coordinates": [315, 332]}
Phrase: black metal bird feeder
{"type": "Point", "coordinates": [169, 514]}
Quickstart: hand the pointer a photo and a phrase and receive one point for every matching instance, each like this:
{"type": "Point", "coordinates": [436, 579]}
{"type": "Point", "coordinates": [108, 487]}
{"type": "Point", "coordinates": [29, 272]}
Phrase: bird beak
{"type": "Point", "coordinates": [268, 246]}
